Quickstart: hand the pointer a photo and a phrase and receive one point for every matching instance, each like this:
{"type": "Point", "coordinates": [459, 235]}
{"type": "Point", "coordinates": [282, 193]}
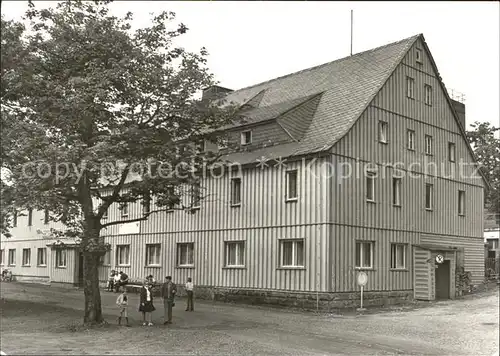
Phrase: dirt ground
{"type": "Point", "coordinates": [38, 319]}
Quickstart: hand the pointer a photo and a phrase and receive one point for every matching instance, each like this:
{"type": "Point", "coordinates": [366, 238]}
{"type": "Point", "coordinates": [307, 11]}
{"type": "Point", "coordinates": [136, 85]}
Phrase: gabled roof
{"type": "Point", "coordinates": [347, 85]}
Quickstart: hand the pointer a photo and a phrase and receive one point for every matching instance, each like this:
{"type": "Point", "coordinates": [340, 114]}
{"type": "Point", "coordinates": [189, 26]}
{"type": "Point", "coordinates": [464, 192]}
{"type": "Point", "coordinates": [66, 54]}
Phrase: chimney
{"type": "Point", "coordinates": [215, 92]}
{"type": "Point", "coordinates": [460, 109]}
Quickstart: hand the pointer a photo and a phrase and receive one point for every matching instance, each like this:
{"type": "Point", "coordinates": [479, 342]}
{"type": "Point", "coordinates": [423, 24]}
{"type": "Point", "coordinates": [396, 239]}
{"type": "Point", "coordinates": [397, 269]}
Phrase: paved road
{"type": "Point", "coordinates": [465, 327]}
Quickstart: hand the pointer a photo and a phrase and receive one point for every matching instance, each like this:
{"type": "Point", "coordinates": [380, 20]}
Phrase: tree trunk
{"type": "Point", "coordinates": [93, 309]}
{"type": "Point", "coordinates": [93, 248]}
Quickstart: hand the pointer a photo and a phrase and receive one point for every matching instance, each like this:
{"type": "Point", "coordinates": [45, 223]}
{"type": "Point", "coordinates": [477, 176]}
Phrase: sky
{"type": "Point", "coordinates": [251, 42]}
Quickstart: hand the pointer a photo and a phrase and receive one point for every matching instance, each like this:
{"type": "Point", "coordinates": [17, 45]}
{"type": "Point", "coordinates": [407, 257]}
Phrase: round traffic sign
{"type": "Point", "coordinates": [439, 259]}
{"type": "Point", "coordinates": [362, 278]}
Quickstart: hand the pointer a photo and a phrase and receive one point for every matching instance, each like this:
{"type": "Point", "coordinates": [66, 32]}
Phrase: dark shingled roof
{"type": "Point", "coordinates": [347, 85]}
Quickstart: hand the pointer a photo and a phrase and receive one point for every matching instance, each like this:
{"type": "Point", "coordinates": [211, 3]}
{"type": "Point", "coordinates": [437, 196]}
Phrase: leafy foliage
{"type": "Point", "coordinates": [93, 112]}
{"type": "Point", "coordinates": [487, 150]}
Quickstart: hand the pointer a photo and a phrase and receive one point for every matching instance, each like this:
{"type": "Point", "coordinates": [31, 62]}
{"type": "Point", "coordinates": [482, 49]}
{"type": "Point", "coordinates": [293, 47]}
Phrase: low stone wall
{"type": "Point", "coordinates": [301, 300]}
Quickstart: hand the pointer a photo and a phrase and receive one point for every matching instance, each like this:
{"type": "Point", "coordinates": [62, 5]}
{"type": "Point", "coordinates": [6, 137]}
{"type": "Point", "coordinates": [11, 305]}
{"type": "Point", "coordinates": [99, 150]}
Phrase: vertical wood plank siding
{"type": "Point", "coordinates": [262, 219]}
{"type": "Point", "coordinates": [381, 221]}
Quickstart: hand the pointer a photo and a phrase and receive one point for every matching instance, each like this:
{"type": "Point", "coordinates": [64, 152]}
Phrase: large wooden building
{"type": "Point", "coordinates": [360, 164]}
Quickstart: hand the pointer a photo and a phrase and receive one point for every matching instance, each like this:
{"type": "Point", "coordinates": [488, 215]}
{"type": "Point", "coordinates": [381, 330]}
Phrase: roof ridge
{"type": "Point", "coordinates": [327, 63]}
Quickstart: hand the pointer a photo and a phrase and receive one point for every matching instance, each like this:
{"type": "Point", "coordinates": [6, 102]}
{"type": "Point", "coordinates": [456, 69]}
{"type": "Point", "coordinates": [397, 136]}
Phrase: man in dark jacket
{"type": "Point", "coordinates": [168, 290]}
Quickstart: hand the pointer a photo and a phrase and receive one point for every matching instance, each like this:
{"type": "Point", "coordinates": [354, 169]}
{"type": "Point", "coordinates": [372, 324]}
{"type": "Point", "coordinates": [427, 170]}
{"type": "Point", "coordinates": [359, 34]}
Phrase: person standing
{"type": "Point", "coordinates": [116, 281]}
{"type": "Point", "coordinates": [189, 291]}
{"type": "Point", "coordinates": [122, 302]}
{"type": "Point", "coordinates": [146, 304]}
{"type": "Point", "coordinates": [168, 290]}
{"type": "Point", "coordinates": [122, 280]}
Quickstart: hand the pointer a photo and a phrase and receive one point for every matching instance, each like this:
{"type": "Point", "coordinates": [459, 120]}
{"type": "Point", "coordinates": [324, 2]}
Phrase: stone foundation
{"type": "Point", "coordinates": [301, 300]}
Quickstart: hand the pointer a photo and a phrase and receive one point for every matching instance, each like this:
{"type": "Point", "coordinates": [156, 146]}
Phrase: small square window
{"type": "Point", "coordinates": [246, 138]}
{"type": "Point", "coordinates": [2, 257]}
{"type": "Point", "coordinates": [292, 253]}
{"type": "Point", "coordinates": [382, 131]}
{"type": "Point", "coordinates": [235, 253]}
{"type": "Point", "coordinates": [146, 203]}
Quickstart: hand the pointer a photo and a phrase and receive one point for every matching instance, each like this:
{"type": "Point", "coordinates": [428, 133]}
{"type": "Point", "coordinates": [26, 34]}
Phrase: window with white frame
{"type": "Point", "coordinates": [41, 256]}
{"type": "Point", "coordinates": [26, 256]}
{"type": "Point", "coordinates": [429, 196]}
{"type": "Point", "coordinates": [185, 254]}
{"type": "Point", "coordinates": [291, 185]}
{"type": "Point", "coordinates": [235, 253]}
{"type": "Point", "coordinates": [60, 258]}
{"type": "Point", "coordinates": [123, 255]}
{"type": "Point", "coordinates": [410, 140]}
{"type": "Point", "coordinates": [451, 151]}
{"type": "Point", "coordinates": [396, 191]}
{"type": "Point", "coordinates": [235, 191]}
{"type": "Point", "coordinates": [292, 253]}
{"type": "Point", "coordinates": [246, 137]}
{"type": "Point", "coordinates": [382, 131]}
{"type": "Point", "coordinates": [153, 254]}
{"type": "Point", "coordinates": [398, 256]}
{"type": "Point", "coordinates": [410, 87]}
{"type": "Point", "coordinates": [124, 209]}
{"type": "Point", "coordinates": [364, 254]}
{"type": "Point", "coordinates": [428, 145]}
{"type": "Point", "coordinates": [461, 202]}
{"type": "Point", "coordinates": [12, 257]}
{"type": "Point", "coordinates": [370, 186]}
{"type": "Point", "coordinates": [2, 257]}
{"type": "Point", "coordinates": [428, 94]}
{"type": "Point", "coordinates": [106, 259]}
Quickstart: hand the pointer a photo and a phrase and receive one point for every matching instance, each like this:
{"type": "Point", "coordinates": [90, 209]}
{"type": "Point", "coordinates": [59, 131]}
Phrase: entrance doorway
{"type": "Point", "coordinates": [443, 280]}
{"type": "Point", "coordinates": [80, 269]}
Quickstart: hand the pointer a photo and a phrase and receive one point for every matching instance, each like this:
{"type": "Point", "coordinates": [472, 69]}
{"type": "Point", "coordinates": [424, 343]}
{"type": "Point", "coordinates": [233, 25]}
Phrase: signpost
{"type": "Point", "coordinates": [439, 259]}
{"type": "Point", "coordinates": [362, 280]}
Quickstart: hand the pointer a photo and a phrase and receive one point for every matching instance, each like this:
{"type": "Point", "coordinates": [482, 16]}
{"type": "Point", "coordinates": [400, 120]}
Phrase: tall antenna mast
{"type": "Point", "coordinates": [351, 30]}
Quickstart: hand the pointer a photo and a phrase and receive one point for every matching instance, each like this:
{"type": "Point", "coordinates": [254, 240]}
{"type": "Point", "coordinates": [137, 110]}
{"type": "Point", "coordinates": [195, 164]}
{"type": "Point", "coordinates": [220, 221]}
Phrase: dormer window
{"type": "Point", "coordinates": [418, 56]}
{"type": "Point", "coordinates": [246, 137]}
